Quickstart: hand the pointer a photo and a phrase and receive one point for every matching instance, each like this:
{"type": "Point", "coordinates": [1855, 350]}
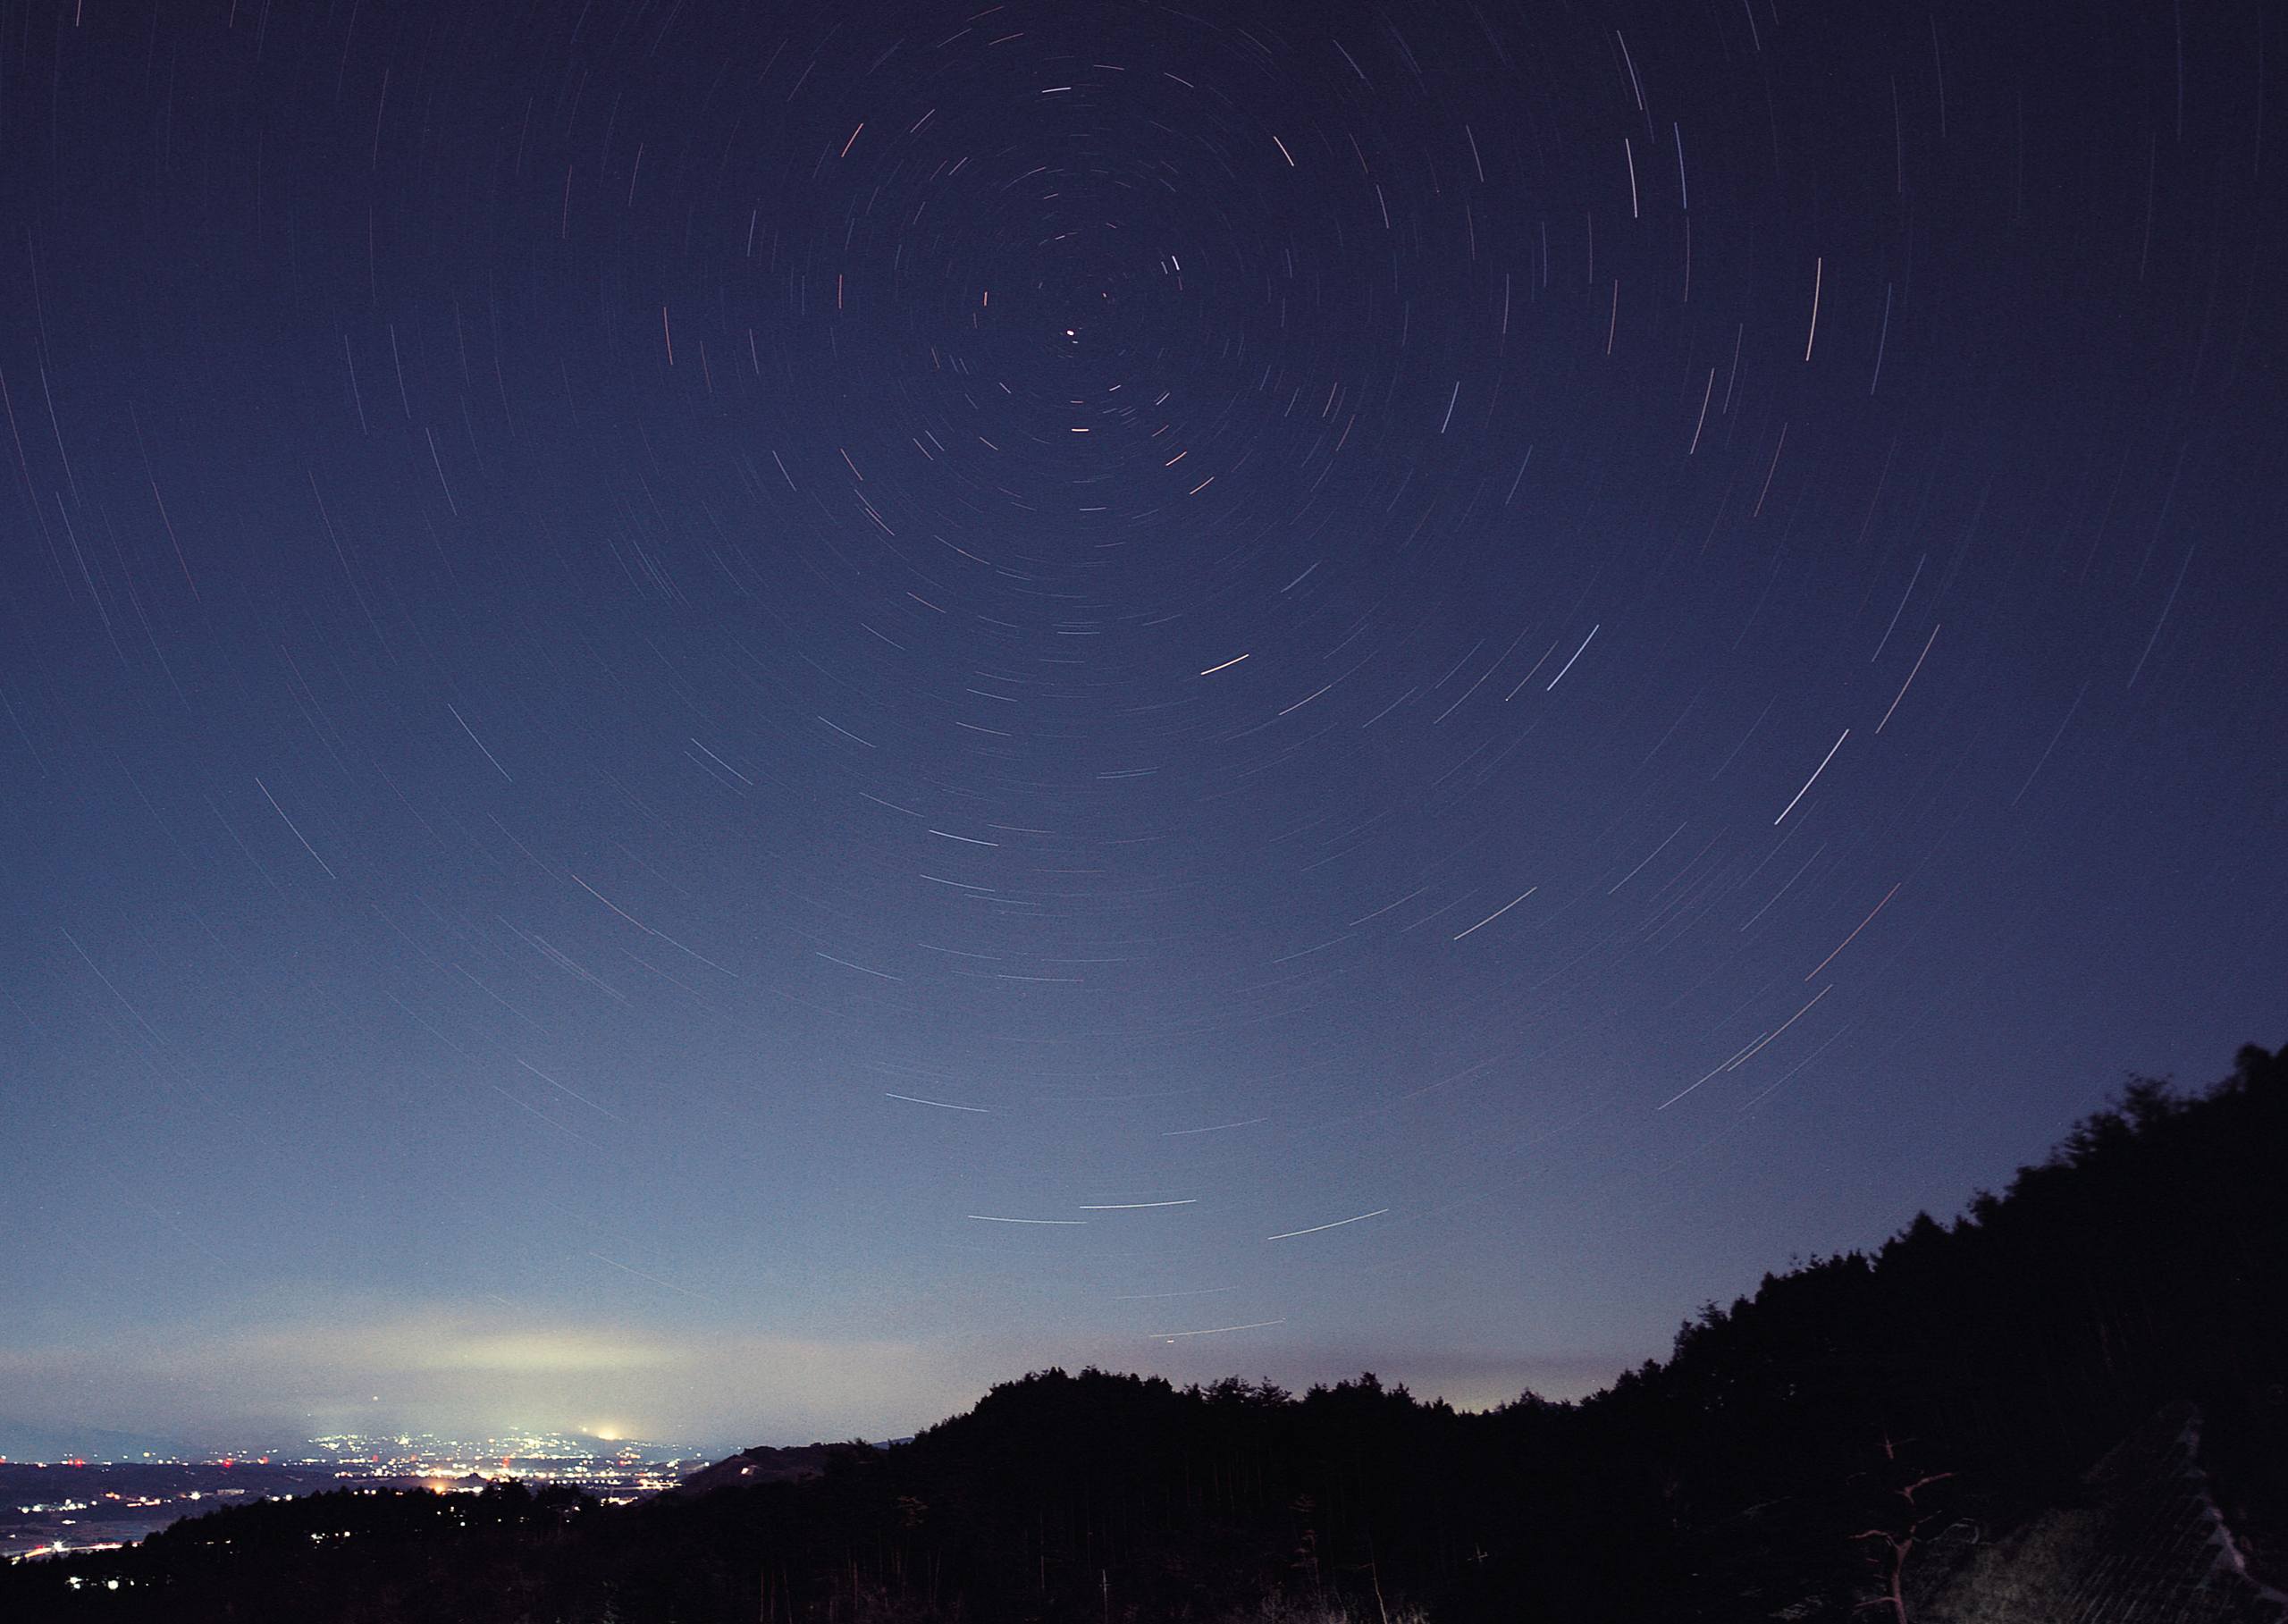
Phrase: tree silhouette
{"type": "Point", "coordinates": [1896, 1534]}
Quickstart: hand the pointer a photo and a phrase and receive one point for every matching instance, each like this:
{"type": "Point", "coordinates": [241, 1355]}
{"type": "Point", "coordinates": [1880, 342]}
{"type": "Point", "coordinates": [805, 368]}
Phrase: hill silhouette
{"type": "Point", "coordinates": [750, 1468]}
{"type": "Point", "coordinates": [1909, 1432]}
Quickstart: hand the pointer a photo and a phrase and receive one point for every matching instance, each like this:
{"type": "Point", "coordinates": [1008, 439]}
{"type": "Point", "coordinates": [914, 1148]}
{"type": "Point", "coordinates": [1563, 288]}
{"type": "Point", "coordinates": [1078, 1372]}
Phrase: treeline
{"type": "Point", "coordinates": [1994, 1356]}
{"type": "Point", "coordinates": [2145, 1260]}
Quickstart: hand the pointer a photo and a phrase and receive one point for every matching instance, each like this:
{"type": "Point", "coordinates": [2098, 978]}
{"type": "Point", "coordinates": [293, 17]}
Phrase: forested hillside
{"type": "Point", "coordinates": [1858, 1419]}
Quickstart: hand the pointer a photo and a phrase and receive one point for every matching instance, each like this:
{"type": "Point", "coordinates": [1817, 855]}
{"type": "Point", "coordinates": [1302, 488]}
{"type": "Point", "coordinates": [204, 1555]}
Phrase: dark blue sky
{"type": "Point", "coordinates": [723, 721]}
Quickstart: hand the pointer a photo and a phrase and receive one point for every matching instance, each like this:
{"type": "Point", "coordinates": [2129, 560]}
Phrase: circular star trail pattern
{"type": "Point", "coordinates": [756, 716]}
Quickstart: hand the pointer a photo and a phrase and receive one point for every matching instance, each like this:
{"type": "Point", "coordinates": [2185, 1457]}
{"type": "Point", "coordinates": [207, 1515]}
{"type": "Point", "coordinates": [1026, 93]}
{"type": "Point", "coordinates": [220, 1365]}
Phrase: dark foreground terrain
{"type": "Point", "coordinates": [2067, 1404]}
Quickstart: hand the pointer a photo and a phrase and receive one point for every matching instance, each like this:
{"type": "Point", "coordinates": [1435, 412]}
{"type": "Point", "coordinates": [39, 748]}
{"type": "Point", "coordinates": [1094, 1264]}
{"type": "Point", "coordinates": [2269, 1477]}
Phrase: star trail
{"type": "Point", "coordinates": [683, 683]}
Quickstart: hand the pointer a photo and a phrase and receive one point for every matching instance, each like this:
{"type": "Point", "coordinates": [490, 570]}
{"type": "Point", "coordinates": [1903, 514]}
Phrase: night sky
{"type": "Point", "coordinates": [722, 721]}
